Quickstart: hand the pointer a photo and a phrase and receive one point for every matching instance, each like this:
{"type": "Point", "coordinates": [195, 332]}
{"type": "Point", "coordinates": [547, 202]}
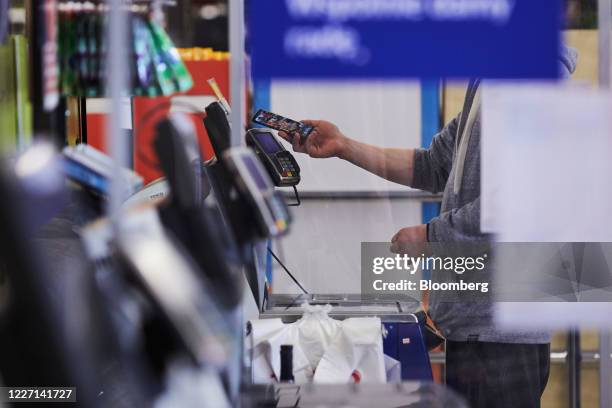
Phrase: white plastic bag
{"type": "Point", "coordinates": [325, 350]}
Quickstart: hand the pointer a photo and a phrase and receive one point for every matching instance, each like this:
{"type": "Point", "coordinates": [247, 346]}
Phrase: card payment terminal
{"type": "Point", "coordinates": [279, 162]}
{"type": "Point", "coordinates": [272, 214]}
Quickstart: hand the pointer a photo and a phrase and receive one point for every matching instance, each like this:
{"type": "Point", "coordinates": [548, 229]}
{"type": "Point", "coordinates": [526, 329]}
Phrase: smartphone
{"type": "Point", "coordinates": [278, 122]}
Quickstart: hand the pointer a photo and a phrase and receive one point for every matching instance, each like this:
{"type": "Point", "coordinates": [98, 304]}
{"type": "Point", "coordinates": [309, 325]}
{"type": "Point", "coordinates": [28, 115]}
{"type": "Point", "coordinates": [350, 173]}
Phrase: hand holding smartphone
{"type": "Point", "coordinates": [278, 122]}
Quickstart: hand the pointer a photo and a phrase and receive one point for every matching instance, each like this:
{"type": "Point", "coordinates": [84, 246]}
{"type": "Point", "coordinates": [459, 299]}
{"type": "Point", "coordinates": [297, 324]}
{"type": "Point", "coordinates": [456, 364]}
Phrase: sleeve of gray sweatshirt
{"type": "Point", "coordinates": [433, 165]}
{"type": "Point", "coordinates": [457, 225]}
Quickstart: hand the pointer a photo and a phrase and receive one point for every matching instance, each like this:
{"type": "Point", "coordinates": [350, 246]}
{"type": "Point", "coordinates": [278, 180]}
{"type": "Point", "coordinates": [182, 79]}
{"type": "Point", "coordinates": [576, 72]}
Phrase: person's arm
{"type": "Point", "coordinates": [396, 165]}
{"type": "Point", "coordinates": [432, 166]}
{"type": "Point", "coordinates": [326, 140]}
{"type": "Point", "coordinates": [457, 225]}
{"type": "Point", "coordinates": [425, 169]}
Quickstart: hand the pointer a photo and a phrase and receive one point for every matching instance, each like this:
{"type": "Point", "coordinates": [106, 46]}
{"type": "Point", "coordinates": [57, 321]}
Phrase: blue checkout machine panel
{"type": "Point", "coordinates": [405, 342]}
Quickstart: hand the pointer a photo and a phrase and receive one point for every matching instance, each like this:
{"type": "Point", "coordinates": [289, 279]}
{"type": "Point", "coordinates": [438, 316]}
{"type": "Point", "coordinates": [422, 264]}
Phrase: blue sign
{"type": "Point", "coordinates": [392, 39]}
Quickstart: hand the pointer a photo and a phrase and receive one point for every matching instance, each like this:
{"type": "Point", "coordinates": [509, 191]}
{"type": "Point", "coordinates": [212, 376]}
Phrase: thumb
{"type": "Point", "coordinates": [395, 237]}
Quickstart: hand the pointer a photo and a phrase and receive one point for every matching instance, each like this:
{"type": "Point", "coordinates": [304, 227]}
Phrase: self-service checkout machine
{"type": "Point", "coordinates": [170, 283]}
{"type": "Point", "coordinates": [404, 326]}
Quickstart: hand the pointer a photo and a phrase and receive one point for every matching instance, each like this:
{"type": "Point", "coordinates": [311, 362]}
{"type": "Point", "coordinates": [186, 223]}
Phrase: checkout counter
{"type": "Point", "coordinates": [404, 329]}
{"type": "Point", "coordinates": [163, 288]}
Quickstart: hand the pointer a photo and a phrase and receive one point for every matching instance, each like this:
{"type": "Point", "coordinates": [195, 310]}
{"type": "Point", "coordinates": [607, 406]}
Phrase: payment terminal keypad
{"type": "Point", "coordinates": [287, 166]}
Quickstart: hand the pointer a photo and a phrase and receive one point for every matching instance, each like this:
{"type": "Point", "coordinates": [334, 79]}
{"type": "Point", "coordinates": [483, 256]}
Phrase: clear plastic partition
{"type": "Point", "coordinates": [343, 205]}
{"type": "Point", "coordinates": [346, 204]}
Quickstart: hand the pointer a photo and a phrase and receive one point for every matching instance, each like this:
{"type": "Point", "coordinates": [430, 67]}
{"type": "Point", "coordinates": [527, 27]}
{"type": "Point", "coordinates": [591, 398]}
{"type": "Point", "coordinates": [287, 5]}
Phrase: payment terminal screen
{"type": "Point", "coordinates": [260, 181]}
{"type": "Point", "coordinates": [268, 142]}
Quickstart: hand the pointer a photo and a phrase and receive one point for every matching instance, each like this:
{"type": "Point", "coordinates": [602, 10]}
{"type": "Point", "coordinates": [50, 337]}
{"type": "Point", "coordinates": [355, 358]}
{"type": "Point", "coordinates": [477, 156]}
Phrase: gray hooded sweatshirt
{"type": "Point", "coordinates": [452, 164]}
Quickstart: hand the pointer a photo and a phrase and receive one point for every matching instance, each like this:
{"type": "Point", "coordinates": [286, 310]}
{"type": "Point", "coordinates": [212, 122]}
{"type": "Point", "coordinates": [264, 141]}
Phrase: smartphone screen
{"type": "Point", "coordinates": [278, 122]}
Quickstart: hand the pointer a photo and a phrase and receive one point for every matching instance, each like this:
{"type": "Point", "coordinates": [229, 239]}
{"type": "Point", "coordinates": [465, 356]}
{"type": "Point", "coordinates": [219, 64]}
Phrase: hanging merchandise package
{"type": "Point", "coordinates": [171, 59]}
{"type": "Point", "coordinates": [163, 71]}
{"type": "Point", "coordinates": [144, 71]}
{"type": "Point", "coordinates": [325, 350]}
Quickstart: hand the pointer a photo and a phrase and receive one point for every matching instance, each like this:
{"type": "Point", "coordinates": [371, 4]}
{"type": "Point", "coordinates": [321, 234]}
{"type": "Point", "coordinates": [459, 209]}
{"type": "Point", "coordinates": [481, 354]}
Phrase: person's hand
{"type": "Point", "coordinates": [326, 140]}
{"type": "Point", "coordinates": [410, 240]}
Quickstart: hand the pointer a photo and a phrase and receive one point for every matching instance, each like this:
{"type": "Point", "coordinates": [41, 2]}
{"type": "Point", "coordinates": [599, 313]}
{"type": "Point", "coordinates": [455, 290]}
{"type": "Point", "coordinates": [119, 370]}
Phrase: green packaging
{"type": "Point", "coordinates": [179, 73]}
{"type": "Point", "coordinates": [165, 77]}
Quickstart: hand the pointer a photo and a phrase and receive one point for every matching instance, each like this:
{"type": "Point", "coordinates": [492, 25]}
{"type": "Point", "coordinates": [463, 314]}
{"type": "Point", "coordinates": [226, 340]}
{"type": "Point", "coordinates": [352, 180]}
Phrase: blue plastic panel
{"type": "Point", "coordinates": [405, 342]}
{"type": "Point", "coordinates": [404, 38]}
